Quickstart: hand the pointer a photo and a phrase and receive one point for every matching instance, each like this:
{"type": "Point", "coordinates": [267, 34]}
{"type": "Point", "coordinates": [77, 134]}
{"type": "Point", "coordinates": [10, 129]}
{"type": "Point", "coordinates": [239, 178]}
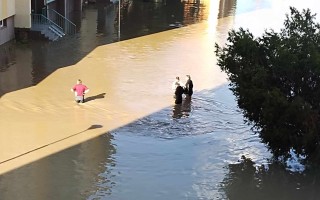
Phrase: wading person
{"type": "Point", "coordinates": [178, 93]}
{"type": "Point", "coordinates": [188, 90]}
{"type": "Point", "coordinates": [79, 91]}
{"type": "Point", "coordinates": [174, 84]}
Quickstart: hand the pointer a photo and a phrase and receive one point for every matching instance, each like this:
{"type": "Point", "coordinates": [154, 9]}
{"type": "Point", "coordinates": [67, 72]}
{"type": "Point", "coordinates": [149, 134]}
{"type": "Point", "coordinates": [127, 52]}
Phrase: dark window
{"type": "Point", "coordinates": [3, 23]}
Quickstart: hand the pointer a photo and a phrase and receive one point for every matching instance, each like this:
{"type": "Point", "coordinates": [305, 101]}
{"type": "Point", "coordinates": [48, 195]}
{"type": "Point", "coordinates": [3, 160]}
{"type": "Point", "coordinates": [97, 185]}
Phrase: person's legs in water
{"type": "Point", "coordinates": [79, 99]}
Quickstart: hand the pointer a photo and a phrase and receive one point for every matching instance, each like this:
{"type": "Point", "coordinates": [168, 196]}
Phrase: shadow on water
{"type": "Point", "coordinates": [74, 173]}
{"type": "Point", "coordinates": [98, 96]}
{"type": "Point", "coordinates": [188, 152]}
{"type": "Point", "coordinates": [95, 126]}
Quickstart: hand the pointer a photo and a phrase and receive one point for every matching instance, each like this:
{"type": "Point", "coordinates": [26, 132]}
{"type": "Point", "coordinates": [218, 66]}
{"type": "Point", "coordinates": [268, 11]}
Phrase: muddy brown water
{"type": "Point", "coordinates": [129, 141]}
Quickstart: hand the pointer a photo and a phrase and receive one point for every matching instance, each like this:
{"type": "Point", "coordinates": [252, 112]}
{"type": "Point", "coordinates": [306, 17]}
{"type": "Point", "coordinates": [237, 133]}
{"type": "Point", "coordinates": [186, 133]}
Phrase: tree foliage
{"type": "Point", "coordinates": [276, 80]}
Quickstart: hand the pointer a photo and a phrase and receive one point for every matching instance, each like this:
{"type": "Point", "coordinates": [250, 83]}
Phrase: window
{"type": "Point", "coordinates": [3, 23]}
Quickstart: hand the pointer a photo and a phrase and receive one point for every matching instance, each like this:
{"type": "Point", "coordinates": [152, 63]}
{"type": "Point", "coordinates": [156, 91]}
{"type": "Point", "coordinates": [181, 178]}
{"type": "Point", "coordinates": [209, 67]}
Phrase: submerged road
{"type": "Point", "coordinates": [128, 141]}
{"type": "Point", "coordinates": [127, 82]}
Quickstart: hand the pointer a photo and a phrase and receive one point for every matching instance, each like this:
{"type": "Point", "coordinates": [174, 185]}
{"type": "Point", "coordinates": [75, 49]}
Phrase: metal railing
{"type": "Point", "coordinates": [68, 27]}
{"type": "Point", "coordinates": [41, 20]}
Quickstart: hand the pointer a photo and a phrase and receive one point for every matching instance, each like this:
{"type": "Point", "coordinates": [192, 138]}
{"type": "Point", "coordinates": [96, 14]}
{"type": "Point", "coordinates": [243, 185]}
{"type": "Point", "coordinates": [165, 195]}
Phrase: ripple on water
{"type": "Point", "coordinates": [203, 114]}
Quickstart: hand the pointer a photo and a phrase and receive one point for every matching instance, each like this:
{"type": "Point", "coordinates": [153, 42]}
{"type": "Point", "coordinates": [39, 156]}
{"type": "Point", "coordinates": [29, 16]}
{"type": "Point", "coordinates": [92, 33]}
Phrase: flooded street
{"type": "Point", "coordinates": [129, 140]}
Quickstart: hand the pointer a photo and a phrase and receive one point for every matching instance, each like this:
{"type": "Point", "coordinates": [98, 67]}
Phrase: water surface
{"type": "Point", "coordinates": [153, 149]}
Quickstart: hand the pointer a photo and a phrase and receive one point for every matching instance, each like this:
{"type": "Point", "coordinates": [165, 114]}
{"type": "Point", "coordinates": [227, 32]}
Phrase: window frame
{"type": "Point", "coordinates": [3, 23]}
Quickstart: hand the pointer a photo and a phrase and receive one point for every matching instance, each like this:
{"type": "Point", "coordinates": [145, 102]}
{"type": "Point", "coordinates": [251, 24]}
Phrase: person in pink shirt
{"type": "Point", "coordinates": [79, 91]}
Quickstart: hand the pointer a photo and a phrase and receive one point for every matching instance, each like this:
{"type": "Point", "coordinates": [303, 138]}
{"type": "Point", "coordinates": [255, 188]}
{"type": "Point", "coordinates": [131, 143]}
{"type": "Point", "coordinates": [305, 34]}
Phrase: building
{"type": "Point", "coordinates": [53, 17]}
{"type": "Point", "coordinates": [7, 14]}
{"type": "Point", "coordinates": [18, 18]}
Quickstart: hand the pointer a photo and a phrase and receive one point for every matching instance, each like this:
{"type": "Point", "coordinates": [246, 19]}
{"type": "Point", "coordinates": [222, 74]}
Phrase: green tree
{"type": "Point", "coordinates": [276, 80]}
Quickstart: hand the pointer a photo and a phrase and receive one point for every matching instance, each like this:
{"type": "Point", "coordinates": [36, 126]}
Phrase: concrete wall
{"type": "Point", "coordinates": [7, 8]}
{"type": "Point", "coordinates": [23, 14]}
{"type": "Point", "coordinates": [7, 32]}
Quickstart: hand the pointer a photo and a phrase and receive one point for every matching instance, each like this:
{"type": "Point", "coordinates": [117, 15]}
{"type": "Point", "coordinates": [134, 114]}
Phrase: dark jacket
{"type": "Point", "coordinates": [178, 94]}
{"type": "Point", "coordinates": [189, 88]}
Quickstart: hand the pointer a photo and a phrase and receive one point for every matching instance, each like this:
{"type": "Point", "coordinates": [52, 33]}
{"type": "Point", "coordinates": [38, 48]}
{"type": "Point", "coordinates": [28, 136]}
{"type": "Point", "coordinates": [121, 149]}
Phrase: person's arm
{"type": "Point", "coordinates": [173, 85]}
{"type": "Point", "coordinates": [86, 89]}
{"type": "Point", "coordinates": [74, 90]}
{"type": "Point", "coordinates": [181, 84]}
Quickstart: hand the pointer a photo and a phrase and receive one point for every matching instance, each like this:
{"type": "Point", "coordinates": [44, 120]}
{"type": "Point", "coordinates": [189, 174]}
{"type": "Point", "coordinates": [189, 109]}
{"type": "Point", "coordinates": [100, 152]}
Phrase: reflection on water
{"type": "Point", "coordinates": [227, 8]}
{"type": "Point", "coordinates": [182, 110]}
{"type": "Point", "coordinates": [246, 181]}
{"type": "Point", "coordinates": [7, 57]}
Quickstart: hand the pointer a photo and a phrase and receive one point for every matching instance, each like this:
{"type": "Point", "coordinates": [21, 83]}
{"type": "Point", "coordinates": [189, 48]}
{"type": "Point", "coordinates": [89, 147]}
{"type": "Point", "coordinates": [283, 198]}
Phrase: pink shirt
{"type": "Point", "coordinates": [79, 88]}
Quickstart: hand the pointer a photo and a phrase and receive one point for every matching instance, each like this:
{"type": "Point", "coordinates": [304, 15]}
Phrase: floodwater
{"type": "Point", "coordinates": [129, 141]}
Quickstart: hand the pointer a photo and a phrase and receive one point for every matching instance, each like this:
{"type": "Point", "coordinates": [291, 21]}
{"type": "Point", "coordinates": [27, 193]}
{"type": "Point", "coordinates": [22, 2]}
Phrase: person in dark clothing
{"type": "Point", "coordinates": [188, 90]}
{"type": "Point", "coordinates": [178, 94]}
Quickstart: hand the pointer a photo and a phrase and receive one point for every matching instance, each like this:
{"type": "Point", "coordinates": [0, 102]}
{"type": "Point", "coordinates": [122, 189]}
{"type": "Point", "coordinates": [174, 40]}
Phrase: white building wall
{"type": "Point", "coordinates": [7, 8]}
{"type": "Point", "coordinates": [23, 13]}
